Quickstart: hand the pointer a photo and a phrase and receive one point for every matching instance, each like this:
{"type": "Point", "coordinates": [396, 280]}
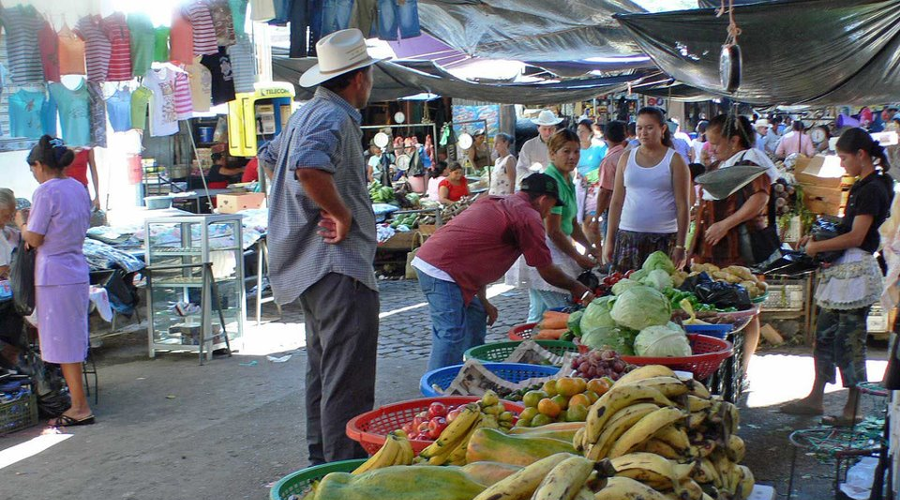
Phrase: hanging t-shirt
{"type": "Point", "coordinates": [167, 93]}
{"type": "Point", "coordinates": [118, 106]}
{"type": "Point", "coordinates": [181, 39]}
{"type": "Point", "coordinates": [49, 45]}
{"type": "Point", "coordinates": [98, 114]}
{"type": "Point", "coordinates": [201, 21]}
{"type": "Point", "coordinates": [116, 28]}
{"type": "Point", "coordinates": [184, 108]}
{"type": "Point", "coordinates": [97, 47]}
{"type": "Point", "coordinates": [25, 109]}
{"type": "Point", "coordinates": [74, 113]}
{"type": "Point", "coordinates": [140, 99]}
{"type": "Point", "coordinates": [71, 53]}
{"type": "Point", "coordinates": [262, 10]}
{"type": "Point", "coordinates": [201, 85]}
{"type": "Point", "coordinates": [222, 22]}
{"type": "Point", "coordinates": [282, 12]}
{"type": "Point", "coordinates": [238, 15]}
{"type": "Point", "coordinates": [243, 66]}
{"type": "Point", "coordinates": [22, 25]}
{"type": "Point", "coordinates": [143, 42]}
{"type": "Point", "coordinates": [48, 115]}
{"type": "Point", "coordinates": [160, 45]}
{"type": "Point", "coordinates": [219, 66]}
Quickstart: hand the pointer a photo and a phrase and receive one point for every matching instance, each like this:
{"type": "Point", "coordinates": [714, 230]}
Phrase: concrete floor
{"type": "Point", "coordinates": [171, 429]}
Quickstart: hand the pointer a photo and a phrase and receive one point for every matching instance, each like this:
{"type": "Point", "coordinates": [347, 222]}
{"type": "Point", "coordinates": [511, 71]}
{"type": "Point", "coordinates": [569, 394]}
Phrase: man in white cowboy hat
{"type": "Point", "coordinates": [534, 156]}
{"type": "Point", "coordinates": [762, 131]}
{"type": "Point", "coordinates": [322, 242]}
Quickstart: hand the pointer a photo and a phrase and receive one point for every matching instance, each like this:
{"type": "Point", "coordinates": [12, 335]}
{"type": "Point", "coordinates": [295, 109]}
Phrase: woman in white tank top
{"type": "Point", "coordinates": [650, 208]}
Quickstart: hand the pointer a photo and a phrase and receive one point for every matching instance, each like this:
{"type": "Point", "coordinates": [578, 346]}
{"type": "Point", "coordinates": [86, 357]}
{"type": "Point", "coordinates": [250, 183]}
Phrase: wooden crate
{"type": "Point", "coordinates": [406, 240]}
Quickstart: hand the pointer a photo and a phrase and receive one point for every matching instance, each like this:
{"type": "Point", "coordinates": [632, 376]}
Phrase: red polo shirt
{"type": "Point", "coordinates": [479, 245]}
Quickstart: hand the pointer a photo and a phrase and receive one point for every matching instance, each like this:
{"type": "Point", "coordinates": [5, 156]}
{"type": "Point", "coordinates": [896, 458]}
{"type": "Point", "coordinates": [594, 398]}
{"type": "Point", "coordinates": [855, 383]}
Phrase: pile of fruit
{"type": "Point", "coordinates": [650, 436]}
{"type": "Point", "coordinates": [565, 399]}
{"type": "Point", "coordinates": [603, 363]}
{"type": "Point", "coordinates": [429, 424]}
{"type": "Point", "coordinates": [732, 274]}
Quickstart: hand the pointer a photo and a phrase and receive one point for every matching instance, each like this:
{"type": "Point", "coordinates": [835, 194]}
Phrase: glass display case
{"type": "Point", "coordinates": [195, 283]}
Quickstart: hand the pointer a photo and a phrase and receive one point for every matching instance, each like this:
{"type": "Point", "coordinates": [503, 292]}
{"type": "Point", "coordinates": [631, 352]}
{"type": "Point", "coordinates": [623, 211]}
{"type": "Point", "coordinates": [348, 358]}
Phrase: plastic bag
{"type": "Point", "coordinates": [21, 279]}
{"type": "Point", "coordinates": [723, 295]}
{"type": "Point", "coordinates": [826, 228]}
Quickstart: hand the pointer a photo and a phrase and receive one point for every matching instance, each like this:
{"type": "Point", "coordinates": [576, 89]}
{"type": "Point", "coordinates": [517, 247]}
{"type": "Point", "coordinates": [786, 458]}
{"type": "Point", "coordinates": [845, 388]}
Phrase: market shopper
{"type": "Point", "coordinates": [796, 142]}
{"type": "Point", "coordinates": [616, 140]}
{"type": "Point", "coordinates": [59, 218]}
{"type": "Point", "coordinates": [455, 187]}
{"type": "Point", "coordinates": [9, 235]}
{"type": "Point", "coordinates": [480, 153]}
{"type": "Point", "coordinates": [322, 242]}
{"type": "Point", "coordinates": [727, 227]}
{"type": "Point", "coordinates": [436, 176]}
{"type": "Point", "coordinates": [587, 179]}
{"type": "Point", "coordinates": [696, 154]}
{"type": "Point", "coordinates": [503, 175]}
{"type": "Point", "coordinates": [533, 156]}
{"type": "Point", "coordinates": [848, 288]}
{"type": "Point", "coordinates": [650, 208]}
{"type": "Point", "coordinates": [462, 258]}
{"type": "Point", "coordinates": [563, 231]}
{"type": "Point", "coordinates": [762, 132]}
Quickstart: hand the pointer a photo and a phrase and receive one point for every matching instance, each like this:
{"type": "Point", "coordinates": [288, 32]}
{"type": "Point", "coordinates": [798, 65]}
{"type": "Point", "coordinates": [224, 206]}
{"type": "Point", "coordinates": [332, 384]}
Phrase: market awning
{"type": "Point", "coordinates": [814, 52]}
{"type": "Point", "coordinates": [398, 79]}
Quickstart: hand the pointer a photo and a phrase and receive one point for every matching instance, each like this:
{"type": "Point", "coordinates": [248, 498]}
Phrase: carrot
{"type": "Point", "coordinates": [554, 320]}
{"type": "Point", "coordinates": [550, 334]}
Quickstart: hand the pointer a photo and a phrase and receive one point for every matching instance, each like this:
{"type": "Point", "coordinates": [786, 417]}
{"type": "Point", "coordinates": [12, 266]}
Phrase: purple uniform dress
{"type": "Point", "coordinates": [61, 211]}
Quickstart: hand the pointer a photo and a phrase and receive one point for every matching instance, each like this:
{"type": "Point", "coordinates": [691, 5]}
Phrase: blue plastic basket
{"type": "Point", "coordinates": [717, 331]}
{"type": "Point", "coordinates": [513, 372]}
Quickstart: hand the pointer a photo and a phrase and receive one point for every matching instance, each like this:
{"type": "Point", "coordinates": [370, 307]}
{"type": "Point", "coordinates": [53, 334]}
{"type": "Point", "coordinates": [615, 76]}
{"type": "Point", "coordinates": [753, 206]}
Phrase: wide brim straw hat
{"type": "Point", "coordinates": [723, 182]}
{"type": "Point", "coordinates": [338, 53]}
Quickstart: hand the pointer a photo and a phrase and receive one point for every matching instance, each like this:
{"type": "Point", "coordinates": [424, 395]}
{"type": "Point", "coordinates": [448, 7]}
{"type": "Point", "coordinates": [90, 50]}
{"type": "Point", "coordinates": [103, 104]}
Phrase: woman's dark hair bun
{"type": "Point", "coordinates": [51, 152]}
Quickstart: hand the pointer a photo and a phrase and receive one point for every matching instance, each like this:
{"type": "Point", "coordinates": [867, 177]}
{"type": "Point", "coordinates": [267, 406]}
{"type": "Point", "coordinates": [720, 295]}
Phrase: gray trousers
{"type": "Point", "coordinates": [341, 316]}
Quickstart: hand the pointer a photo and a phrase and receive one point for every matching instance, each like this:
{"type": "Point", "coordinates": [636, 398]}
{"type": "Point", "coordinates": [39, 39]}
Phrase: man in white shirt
{"type": "Point", "coordinates": [534, 156]}
{"type": "Point", "coordinates": [762, 132]}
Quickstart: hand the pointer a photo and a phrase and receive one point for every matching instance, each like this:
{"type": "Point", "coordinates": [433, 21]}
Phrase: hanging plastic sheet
{"type": "Point", "coordinates": [813, 52]}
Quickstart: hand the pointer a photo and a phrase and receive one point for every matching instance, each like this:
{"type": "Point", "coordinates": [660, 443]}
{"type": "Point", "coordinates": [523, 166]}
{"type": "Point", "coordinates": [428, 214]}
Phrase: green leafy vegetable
{"type": "Point", "coordinates": [640, 307]}
{"type": "Point", "coordinates": [658, 260]}
{"type": "Point", "coordinates": [662, 341]}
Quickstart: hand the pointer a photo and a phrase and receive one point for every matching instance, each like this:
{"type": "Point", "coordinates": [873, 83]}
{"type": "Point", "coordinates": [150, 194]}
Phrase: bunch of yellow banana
{"type": "Point", "coordinates": [450, 446]}
{"type": "Point", "coordinates": [396, 450]}
{"type": "Point", "coordinates": [562, 476]}
{"type": "Point", "coordinates": [719, 472]}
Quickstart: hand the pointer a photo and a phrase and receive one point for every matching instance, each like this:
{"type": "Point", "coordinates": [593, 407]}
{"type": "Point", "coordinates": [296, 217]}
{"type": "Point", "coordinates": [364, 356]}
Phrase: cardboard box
{"type": "Point", "coordinates": [232, 203]}
{"type": "Point", "coordinates": [821, 171]}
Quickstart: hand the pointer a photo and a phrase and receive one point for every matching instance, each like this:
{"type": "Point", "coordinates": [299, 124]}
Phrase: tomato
{"type": "Point", "coordinates": [452, 414]}
{"type": "Point", "coordinates": [436, 426]}
{"type": "Point", "coordinates": [437, 409]}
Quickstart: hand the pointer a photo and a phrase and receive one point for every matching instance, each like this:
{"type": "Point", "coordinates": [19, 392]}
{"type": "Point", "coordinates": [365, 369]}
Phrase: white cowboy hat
{"type": "Point", "coordinates": [547, 118]}
{"type": "Point", "coordinates": [762, 122]}
{"type": "Point", "coordinates": [340, 52]}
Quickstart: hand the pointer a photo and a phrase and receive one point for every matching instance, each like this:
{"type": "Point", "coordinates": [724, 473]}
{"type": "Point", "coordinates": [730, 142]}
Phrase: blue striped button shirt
{"type": "Point", "coordinates": [324, 134]}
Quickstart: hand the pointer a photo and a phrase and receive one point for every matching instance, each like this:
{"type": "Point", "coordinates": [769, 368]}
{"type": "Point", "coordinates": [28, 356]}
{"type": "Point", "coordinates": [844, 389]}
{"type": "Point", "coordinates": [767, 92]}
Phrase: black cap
{"type": "Point", "coordinates": [542, 184]}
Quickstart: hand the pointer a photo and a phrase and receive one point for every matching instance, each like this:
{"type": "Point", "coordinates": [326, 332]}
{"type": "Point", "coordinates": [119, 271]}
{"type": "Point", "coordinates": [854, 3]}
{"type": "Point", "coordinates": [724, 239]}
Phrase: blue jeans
{"type": "Point", "coordinates": [393, 16]}
{"type": "Point", "coordinates": [540, 301]}
{"type": "Point", "coordinates": [335, 16]}
{"type": "Point", "coordinates": [455, 327]}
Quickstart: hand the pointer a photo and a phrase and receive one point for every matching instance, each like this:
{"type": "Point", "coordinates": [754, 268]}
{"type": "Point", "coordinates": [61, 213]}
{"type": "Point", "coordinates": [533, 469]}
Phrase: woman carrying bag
{"type": "Point", "coordinates": [851, 284]}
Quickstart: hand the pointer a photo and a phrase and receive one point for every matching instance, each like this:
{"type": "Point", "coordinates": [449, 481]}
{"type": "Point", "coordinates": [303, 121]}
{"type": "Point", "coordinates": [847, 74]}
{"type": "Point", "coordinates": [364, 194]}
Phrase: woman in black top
{"type": "Point", "coordinates": [849, 287]}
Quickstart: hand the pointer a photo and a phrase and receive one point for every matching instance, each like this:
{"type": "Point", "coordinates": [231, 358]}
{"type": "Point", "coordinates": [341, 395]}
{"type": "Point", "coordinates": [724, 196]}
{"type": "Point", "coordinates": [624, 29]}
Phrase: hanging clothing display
{"type": "Point", "coordinates": [160, 45]}
{"type": "Point", "coordinates": [201, 85]}
{"type": "Point", "coordinates": [25, 108]}
{"type": "Point", "coordinates": [116, 28]}
{"type": "Point", "coordinates": [118, 106]}
{"type": "Point", "coordinates": [140, 100]}
{"type": "Point", "coordinates": [74, 113]}
{"type": "Point", "coordinates": [243, 66]}
{"type": "Point", "coordinates": [184, 108]}
{"type": "Point", "coordinates": [71, 52]}
{"type": "Point", "coordinates": [97, 47]}
{"type": "Point", "coordinates": [163, 83]}
{"type": "Point", "coordinates": [48, 115]}
{"type": "Point", "coordinates": [219, 66]}
{"type": "Point", "coordinates": [336, 16]}
{"type": "Point", "coordinates": [22, 25]}
{"type": "Point", "coordinates": [98, 114]}
{"type": "Point", "coordinates": [181, 39]}
{"type": "Point", "coordinates": [204, 32]}
{"type": "Point", "coordinates": [222, 22]}
{"type": "Point", "coordinates": [305, 15]}
{"type": "Point", "coordinates": [398, 16]}
{"type": "Point", "coordinates": [143, 43]}
{"type": "Point", "coordinates": [262, 10]}
{"type": "Point", "coordinates": [238, 15]}
{"type": "Point", "coordinates": [48, 41]}
{"type": "Point", "coordinates": [283, 12]}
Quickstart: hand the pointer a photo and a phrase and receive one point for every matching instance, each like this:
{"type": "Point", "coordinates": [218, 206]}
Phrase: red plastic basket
{"type": "Point", "coordinates": [370, 428]}
{"type": "Point", "coordinates": [709, 353]}
{"type": "Point", "coordinates": [521, 332]}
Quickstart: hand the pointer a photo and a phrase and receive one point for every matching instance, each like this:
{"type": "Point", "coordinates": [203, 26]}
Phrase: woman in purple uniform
{"type": "Point", "coordinates": [56, 227]}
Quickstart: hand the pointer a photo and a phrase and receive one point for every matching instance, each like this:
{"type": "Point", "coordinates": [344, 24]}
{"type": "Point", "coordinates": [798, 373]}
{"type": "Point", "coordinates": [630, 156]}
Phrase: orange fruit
{"type": "Point", "coordinates": [599, 386]}
{"type": "Point", "coordinates": [567, 386]}
{"type": "Point", "coordinates": [592, 396]}
{"type": "Point", "coordinates": [526, 416]}
{"type": "Point", "coordinates": [561, 401]}
{"type": "Point", "coordinates": [582, 384]}
{"type": "Point", "coordinates": [577, 413]}
{"type": "Point", "coordinates": [541, 419]}
{"type": "Point", "coordinates": [579, 399]}
{"type": "Point", "coordinates": [549, 408]}
{"type": "Point", "coordinates": [532, 398]}
{"type": "Point", "coordinates": [550, 387]}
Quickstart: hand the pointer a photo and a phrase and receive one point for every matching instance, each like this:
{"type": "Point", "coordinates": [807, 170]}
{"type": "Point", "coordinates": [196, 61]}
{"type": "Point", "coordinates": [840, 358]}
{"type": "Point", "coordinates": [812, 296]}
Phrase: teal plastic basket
{"type": "Point", "coordinates": [297, 483]}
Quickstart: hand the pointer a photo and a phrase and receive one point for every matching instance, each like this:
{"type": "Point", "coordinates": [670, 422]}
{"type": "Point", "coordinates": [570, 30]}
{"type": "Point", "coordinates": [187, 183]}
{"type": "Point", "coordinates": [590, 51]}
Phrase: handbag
{"type": "Point", "coordinates": [21, 278]}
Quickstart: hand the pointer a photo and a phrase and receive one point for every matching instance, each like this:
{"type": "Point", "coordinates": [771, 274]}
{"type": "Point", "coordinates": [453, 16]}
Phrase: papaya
{"type": "Point", "coordinates": [400, 482]}
{"type": "Point", "coordinates": [563, 431]}
{"type": "Point", "coordinates": [522, 449]}
{"type": "Point", "coordinates": [488, 473]}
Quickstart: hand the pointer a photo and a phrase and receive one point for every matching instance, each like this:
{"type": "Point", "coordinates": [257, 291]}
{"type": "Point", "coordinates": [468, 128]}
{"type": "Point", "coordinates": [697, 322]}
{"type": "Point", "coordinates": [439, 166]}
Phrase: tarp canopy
{"type": "Point", "coordinates": [398, 79]}
{"type": "Point", "coordinates": [531, 31]}
{"type": "Point", "coordinates": [813, 52]}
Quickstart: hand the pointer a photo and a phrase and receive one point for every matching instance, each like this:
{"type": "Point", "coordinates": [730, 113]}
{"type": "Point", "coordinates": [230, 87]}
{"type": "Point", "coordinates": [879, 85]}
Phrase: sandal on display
{"type": "Point", "coordinates": [67, 421]}
{"type": "Point", "coordinates": [801, 408]}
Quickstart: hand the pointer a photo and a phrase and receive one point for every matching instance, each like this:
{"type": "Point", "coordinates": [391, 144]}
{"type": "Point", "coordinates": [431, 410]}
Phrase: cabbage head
{"type": "Point", "coordinates": [618, 339]}
{"type": "Point", "coordinates": [662, 342]}
{"type": "Point", "coordinates": [640, 307]}
{"type": "Point", "coordinates": [596, 314]}
{"type": "Point", "coordinates": [658, 279]}
{"type": "Point", "coordinates": [659, 260]}
{"type": "Point", "coordinates": [639, 275]}
{"type": "Point", "coordinates": [622, 285]}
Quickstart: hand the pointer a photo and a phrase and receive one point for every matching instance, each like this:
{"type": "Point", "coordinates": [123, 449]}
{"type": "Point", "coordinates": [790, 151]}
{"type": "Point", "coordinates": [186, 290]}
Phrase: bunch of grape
{"type": "Point", "coordinates": [600, 363]}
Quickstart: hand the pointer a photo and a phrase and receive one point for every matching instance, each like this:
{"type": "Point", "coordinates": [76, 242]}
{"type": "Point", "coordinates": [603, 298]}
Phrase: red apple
{"type": "Point", "coordinates": [437, 409]}
{"type": "Point", "coordinates": [436, 426]}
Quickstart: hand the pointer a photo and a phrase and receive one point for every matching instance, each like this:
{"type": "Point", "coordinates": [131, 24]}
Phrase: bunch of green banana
{"type": "Point", "coordinates": [562, 476]}
{"type": "Point", "coordinates": [450, 447]}
{"type": "Point", "coordinates": [396, 450]}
